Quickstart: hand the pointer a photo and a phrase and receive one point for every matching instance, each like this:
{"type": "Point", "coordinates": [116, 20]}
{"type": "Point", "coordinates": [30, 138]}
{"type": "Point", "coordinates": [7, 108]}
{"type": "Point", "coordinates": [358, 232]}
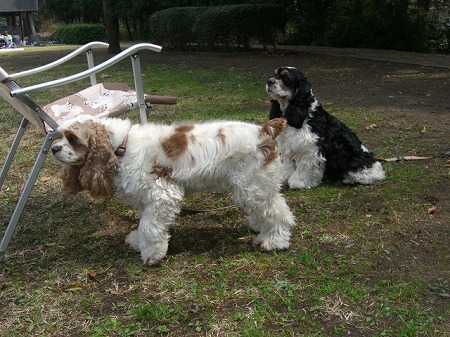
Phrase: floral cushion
{"type": "Point", "coordinates": [103, 100]}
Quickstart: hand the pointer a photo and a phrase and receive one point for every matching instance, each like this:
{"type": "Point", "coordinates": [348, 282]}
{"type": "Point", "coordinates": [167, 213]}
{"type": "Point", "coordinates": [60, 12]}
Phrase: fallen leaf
{"type": "Point", "coordinates": [432, 209]}
{"type": "Point", "coordinates": [90, 273]}
{"type": "Point", "coordinates": [371, 127]}
{"type": "Point", "coordinates": [424, 130]}
{"type": "Point", "coordinates": [73, 288]}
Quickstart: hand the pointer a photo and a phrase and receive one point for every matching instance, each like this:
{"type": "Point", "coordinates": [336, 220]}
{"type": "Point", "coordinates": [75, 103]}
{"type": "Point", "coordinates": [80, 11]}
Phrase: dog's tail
{"type": "Point", "coordinates": [274, 127]}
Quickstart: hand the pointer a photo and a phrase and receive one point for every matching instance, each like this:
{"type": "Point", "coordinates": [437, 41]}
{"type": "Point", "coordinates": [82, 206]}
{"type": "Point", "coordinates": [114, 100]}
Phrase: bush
{"type": "Point", "coordinates": [81, 33]}
{"type": "Point", "coordinates": [214, 26]}
{"type": "Point", "coordinates": [173, 27]}
{"type": "Point", "coordinates": [382, 24]}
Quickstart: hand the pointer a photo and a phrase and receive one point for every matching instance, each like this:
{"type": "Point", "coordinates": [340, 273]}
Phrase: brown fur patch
{"type": "Point", "coordinates": [176, 145]}
{"type": "Point", "coordinates": [184, 128]}
{"type": "Point", "coordinates": [268, 148]}
{"type": "Point", "coordinates": [96, 175]}
{"type": "Point", "coordinates": [81, 148]}
{"type": "Point", "coordinates": [163, 172]}
{"type": "Point", "coordinates": [274, 127]}
{"type": "Point", "coordinates": [69, 176]}
{"type": "Point", "coordinates": [221, 136]}
{"type": "Point", "coordinates": [284, 72]}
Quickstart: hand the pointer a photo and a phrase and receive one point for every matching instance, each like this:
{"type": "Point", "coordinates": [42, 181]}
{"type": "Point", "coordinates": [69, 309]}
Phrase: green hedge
{"type": "Point", "coordinates": [81, 33]}
{"type": "Point", "coordinates": [173, 26]}
{"type": "Point", "coordinates": [234, 25]}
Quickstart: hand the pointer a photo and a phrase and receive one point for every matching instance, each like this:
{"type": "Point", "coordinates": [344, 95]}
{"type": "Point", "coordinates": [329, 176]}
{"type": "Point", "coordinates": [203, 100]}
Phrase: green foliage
{"type": "Point", "coordinates": [81, 33]}
{"type": "Point", "coordinates": [218, 25]}
{"type": "Point", "coordinates": [86, 11]}
{"type": "Point", "coordinates": [386, 24]}
{"type": "Point", "coordinates": [173, 26]}
{"type": "Point", "coordinates": [382, 24]}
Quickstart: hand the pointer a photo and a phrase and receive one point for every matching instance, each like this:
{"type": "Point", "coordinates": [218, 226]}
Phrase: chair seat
{"type": "Point", "coordinates": [102, 100]}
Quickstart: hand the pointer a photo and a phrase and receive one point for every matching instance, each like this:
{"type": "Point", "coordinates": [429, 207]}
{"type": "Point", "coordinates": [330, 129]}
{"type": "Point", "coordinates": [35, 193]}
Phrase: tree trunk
{"type": "Point", "coordinates": [127, 25]}
{"type": "Point", "coordinates": [112, 26]}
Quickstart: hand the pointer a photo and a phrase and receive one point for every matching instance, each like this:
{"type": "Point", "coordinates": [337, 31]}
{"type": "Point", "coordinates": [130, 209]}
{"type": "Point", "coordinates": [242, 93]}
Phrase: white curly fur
{"type": "Point", "coordinates": [163, 163]}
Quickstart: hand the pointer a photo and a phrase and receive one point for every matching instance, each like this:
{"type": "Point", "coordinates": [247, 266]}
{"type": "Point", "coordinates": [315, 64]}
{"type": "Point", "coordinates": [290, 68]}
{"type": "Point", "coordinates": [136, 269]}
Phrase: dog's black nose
{"type": "Point", "coordinates": [56, 149]}
{"type": "Point", "coordinates": [271, 81]}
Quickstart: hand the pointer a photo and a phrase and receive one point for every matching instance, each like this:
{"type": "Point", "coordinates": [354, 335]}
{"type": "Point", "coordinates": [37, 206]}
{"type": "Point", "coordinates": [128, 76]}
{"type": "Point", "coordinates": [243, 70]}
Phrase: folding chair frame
{"type": "Point", "coordinates": [18, 97]}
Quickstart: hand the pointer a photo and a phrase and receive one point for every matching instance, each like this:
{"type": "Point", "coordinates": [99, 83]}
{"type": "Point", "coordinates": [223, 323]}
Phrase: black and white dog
{"type": "Point", "coordinates": [315, 145]}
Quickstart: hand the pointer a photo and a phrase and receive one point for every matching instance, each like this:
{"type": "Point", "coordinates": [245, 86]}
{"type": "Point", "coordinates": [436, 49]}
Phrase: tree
{"type": "Point", "coordinates": [112, 26]}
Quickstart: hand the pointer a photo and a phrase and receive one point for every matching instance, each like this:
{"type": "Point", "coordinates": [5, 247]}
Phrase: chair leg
{"type": "Point", "coordinates": [26, 193]}
{"type": "Point", "coordinates": [138, 87]}
{"type": "Point", "coordinates": [13, 150]}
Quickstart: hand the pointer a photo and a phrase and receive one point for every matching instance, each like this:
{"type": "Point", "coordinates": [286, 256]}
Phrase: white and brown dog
{"type": "Point", "coordinates": [153, 167]}
{"type": "Point", "coordinates": [315, 145]}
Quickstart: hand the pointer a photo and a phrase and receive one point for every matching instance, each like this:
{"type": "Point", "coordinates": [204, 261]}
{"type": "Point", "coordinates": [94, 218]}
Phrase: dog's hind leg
{"type": "Point", "coordinates": [158, 214]}
{"type": "Point", "coordinates": [275, 225]}
{"type": "Point", "coordinates": [269, 215]}
{"type": "Point", "coordinates": [365, 176]}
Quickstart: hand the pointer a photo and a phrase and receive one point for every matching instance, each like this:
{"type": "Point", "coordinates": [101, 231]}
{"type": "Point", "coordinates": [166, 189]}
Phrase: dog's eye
{"type": "Point", "coordinates": [286, 79]}
{"type": "Point", "coordinates": [72, 139]}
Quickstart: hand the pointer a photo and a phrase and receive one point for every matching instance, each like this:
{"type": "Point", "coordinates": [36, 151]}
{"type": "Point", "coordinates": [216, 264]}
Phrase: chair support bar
{"type": "Point", "coordinates": [26, 192]}
{"type": "Point", "coordinates": [127, 52]}
{"type": "Point", "coordinates": [30, 103]}
{"type": "Point", "coordinates": [66, 58]}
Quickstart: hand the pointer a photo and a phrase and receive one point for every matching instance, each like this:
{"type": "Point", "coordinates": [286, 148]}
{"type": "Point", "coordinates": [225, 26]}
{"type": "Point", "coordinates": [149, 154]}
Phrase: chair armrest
{"type": "Point", "coordinates": [127, 52]}
{"type": "Point", "coordinates": [62, 60]}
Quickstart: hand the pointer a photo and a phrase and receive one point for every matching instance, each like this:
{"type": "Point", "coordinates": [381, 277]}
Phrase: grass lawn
{"type": "Point", "coordinates": [364, 260]}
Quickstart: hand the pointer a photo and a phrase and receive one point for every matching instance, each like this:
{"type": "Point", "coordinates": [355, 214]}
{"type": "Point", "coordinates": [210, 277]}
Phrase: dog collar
{"type": "Point", "coordinates": [120, 151]}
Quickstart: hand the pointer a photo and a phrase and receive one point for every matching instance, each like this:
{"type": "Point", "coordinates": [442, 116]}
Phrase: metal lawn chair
{"type": "Point", "coordinates": [100, 99]}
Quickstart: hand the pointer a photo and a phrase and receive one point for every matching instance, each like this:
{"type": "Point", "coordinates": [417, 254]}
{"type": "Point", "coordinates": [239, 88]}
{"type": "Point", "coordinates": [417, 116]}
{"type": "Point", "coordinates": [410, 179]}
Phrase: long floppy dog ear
{"type": "Point", "coordinates": [296, 115]}
{"type": "Point", "coordinates": [302, 87]}
{"type": "Point", "coordinates": [97, 174]}
{"type": "Point", "coordinates": [298, 108]}
{"type": "Point", "coordinates": [69, 177]}
{"type": "Point", "coordinates": [275, 109]}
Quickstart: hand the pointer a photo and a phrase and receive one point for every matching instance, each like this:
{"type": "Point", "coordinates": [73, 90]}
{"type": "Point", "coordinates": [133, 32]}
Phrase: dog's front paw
{"type": "Point", "coordinates": [153, 259]}
{"type": "Point", "coordinates": [155, 251]}
{"type": "Point", "coordinates": [132, 240]}
{"type": "Point", "coordinates": [301, 184]}
{"type": "Point", "coordinates": [268, 245]}
{"type": "Point", "coordinates": [151, 262]}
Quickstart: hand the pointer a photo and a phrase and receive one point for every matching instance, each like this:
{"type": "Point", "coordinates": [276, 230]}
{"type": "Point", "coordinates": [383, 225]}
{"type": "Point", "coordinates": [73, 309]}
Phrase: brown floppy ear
{"type": "Point", "coordinates": [97, 174]}
{"type": "Point", "coordinates": [69, 177]}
